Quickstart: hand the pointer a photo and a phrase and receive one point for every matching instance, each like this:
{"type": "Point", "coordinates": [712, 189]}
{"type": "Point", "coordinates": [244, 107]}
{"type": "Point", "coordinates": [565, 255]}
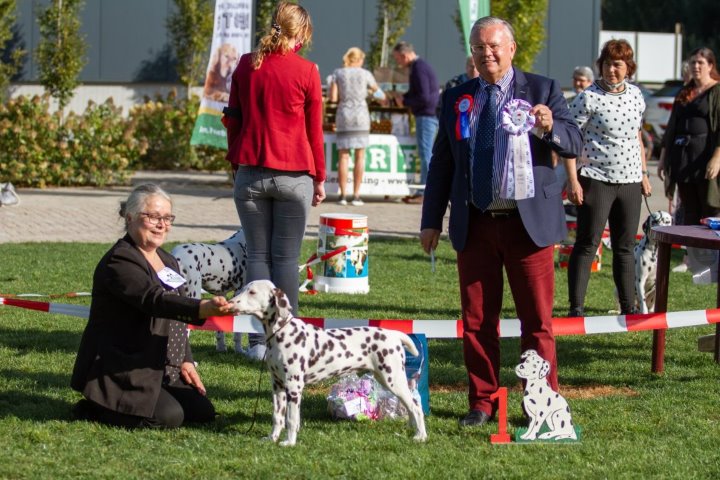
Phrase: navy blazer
{"type": "Point", "coordinates": [449, 175]}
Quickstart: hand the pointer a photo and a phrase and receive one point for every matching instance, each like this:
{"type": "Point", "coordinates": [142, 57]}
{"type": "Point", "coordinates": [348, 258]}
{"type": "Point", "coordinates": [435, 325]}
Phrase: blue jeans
{"type": "Point", "coordinates": [426, 128]}
{"type": "Point", "coordinates": [273, 207]}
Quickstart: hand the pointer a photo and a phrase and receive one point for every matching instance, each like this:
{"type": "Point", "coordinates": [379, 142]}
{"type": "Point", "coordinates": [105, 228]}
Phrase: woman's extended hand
{"type": "Point", "coordinates": [645, 185]}
{"type": "Point", "coordinates": [190, 376]}
{"type": "Point", "coordinates": [216, 306]}
{"type": "Point", "coordinates": [318, 193]}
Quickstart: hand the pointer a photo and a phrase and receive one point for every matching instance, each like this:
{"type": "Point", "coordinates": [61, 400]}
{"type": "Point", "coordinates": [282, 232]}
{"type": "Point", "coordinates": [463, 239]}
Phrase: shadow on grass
{"type": "Point", "coordinates": [28, 340]}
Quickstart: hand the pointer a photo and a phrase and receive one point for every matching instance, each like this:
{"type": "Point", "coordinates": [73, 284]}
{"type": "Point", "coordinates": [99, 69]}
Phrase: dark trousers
{"type": "Point", "coordinates": [619, 205]}
{"type": "Point", "coordinates": [176, 404]}
{"type": "Point", "coordinates": [693, 197]}
{"type": "Point", "coordinates": [494, 243]}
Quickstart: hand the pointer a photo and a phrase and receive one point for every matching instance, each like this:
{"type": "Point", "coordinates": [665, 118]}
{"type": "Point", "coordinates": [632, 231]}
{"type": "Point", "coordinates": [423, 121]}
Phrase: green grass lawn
{"type": "Point", "coordinates": [634, 424]}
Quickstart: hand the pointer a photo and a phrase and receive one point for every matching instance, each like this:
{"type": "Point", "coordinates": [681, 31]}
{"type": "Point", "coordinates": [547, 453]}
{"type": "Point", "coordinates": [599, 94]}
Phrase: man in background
{"type": "Point", "coordinates": [422, 99]}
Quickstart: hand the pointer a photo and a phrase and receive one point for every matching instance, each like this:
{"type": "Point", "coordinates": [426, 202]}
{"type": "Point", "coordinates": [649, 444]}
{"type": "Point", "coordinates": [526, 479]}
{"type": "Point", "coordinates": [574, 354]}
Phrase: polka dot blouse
{"type": "Point", "coordinates": [610, 123]}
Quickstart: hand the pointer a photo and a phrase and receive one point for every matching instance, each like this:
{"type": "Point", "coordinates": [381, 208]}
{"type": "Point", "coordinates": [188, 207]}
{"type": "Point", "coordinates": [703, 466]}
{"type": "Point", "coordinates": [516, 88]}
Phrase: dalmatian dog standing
{"type": "Point", "coordinates": [646, 262]}
{"type": "Point", "coordinates": [299, 353]}
{"type": "Point", "coordinates": [219, 268]}
{"type": "Point", "coordinates": [541, 402]}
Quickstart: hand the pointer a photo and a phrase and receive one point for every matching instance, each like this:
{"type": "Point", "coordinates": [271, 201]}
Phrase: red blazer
{"type": "Point", "coordinates": [279, 125]}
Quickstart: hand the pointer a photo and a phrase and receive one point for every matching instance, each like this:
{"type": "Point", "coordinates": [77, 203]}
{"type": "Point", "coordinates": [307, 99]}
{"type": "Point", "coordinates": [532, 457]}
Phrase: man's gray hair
{"type": "Point", "coordinates": [403, 48]}
{"type": "Point", "coordinates": [485, 22]}
{"type": "Point", "coordinates": [584, 71]}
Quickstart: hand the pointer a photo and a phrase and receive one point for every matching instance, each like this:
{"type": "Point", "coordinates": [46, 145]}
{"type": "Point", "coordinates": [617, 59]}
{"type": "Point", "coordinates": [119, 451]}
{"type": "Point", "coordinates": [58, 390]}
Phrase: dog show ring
{"type": "Point", "coordinates": [346, 272]}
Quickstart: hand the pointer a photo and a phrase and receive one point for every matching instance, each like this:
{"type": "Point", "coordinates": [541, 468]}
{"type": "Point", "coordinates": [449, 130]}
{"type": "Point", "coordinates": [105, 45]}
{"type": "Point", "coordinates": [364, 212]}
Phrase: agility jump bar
{"type": "Point", "coordinates": [509, 328]}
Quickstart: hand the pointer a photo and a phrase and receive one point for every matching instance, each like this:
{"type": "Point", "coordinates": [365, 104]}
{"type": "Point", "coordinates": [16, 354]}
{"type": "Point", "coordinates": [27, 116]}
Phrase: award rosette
{"type": "Point", "coordinates": [517, 179]}
{"type": "Point", "coordinates": [462, 110]}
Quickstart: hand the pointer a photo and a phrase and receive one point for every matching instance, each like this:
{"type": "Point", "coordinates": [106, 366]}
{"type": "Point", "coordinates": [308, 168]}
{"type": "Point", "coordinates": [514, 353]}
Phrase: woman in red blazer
{"type": "Point", "coordinates": [275, 144]}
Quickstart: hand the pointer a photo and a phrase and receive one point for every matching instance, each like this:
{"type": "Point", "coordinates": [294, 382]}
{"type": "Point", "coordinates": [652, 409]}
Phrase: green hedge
{"type": "Point", "coordinates": [99, 147]}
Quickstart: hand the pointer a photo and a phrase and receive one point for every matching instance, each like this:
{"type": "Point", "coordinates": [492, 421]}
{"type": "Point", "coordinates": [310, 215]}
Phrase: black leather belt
{"type": "Point", "coordinates": [501, 213]}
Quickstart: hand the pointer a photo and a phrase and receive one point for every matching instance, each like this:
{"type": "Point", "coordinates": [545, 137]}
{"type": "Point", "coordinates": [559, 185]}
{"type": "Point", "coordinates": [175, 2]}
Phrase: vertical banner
{"type": "Point", "coordinates": [231, 39]}
{"type": "Point", "coordinates": [471, 10]}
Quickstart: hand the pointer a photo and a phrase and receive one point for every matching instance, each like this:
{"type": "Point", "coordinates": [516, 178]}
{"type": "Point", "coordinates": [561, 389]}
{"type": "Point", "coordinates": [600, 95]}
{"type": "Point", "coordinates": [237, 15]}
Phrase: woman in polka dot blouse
{"type": "Point", "coordinates": [608, 182]}
{"type": "Point", "coordinates": [134, 366]}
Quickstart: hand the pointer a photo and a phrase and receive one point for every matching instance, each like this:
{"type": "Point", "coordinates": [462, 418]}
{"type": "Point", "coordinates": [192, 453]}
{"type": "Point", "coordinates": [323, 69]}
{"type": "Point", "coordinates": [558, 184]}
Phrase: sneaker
{"type": "Point", "coordinates": [576, 312]}
{"type": "Point", "coordinates": [256, 352]}
{"type": "Point", "coordinates": [357, 202]}
{"type": "Point", "coordinates": [342, 202]}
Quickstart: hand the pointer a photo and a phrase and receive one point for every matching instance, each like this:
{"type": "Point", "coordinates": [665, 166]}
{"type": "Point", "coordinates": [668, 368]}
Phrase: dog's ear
{"type": "Point", "coordinates": [544, 368]}
{"type": "Point", "coordinates": [527, 353]}
{"type": "Point", "coordinates": [647, 224]}
{"type": "Point", "coordinates": [282, 303]}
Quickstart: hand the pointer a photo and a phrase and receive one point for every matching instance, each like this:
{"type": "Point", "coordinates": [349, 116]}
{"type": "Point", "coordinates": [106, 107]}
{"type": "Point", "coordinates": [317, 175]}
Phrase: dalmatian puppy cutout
{"type": "Point", "coordinates": [218, 268]}
{"type": "Point", "coordinates": [299, 353]}
{"type": "Point", "coordinates": [646, 262]}
{"type": "Point", "coordinates": [543, 404]}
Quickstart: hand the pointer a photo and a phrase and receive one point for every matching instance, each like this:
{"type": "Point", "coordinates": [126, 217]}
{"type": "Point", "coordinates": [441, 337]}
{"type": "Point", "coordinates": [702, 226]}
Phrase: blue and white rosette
{"type": "Point", "coordinates": [517, 180]}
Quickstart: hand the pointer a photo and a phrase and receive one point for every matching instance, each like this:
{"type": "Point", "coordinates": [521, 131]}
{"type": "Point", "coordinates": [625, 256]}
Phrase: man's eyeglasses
{"type": "Point", "coordinates": [494, 48]}
{"type": "Point", "coordinates": [154, 218]}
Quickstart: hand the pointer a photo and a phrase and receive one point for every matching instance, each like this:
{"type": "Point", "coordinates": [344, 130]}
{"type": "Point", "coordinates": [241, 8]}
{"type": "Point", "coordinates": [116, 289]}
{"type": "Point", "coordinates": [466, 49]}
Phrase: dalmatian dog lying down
{"type": "Point", "coordinates": [219, 268]}
{"type": "Point", "coordinates": [299, 353]}
{"type": "Point", "coordinates": [541, 402]}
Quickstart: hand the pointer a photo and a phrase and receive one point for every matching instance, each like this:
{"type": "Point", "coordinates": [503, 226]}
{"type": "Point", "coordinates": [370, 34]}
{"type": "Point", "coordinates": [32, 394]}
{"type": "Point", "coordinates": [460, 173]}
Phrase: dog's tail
{"type": "Point", "coordinates": [409, 344]}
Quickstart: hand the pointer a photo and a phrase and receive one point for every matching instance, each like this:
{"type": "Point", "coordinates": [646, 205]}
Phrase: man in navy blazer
{"type": "Point", "coordinates": [516, 233]}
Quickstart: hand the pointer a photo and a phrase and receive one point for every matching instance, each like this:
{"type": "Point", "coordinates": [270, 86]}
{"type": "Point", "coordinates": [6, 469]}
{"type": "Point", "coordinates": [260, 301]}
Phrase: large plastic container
{"type": "Point", "coordinates": [347, 270]}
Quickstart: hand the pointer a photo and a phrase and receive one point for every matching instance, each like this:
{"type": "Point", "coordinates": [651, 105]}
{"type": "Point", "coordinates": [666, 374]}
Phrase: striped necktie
{"type": "Point", "coordinates": [482, 167]}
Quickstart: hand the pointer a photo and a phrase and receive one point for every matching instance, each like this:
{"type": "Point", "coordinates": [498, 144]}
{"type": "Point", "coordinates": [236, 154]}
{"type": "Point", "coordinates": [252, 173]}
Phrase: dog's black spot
{"type": "Point", "coordinates": [374, 347]}
{"type": "Point", "coordinates": [549, 402]}
{"type": "Point", "coordinates": [532, 400]}
{"type": "Point", "coordinates": [348, 354]}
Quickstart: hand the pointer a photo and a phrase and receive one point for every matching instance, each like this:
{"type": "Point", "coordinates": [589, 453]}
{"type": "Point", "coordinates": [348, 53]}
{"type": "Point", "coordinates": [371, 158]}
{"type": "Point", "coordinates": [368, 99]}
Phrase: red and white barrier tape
{"type": "Point", "coordinates": [435, 328]}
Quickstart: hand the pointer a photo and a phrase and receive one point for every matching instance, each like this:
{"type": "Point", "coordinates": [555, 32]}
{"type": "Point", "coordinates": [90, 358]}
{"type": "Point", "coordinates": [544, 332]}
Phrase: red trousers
{"type": "Point", "coordinates": [494, 243]}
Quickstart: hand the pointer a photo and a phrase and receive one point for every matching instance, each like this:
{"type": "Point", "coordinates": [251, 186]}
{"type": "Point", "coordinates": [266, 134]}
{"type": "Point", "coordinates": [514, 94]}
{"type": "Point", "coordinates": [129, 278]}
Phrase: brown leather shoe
{"type": "Point", "coordinates": [413, 200]}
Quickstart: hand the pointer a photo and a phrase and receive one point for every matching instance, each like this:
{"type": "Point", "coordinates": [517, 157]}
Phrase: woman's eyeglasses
{"type": "Point", "coordinates": [154, 218]}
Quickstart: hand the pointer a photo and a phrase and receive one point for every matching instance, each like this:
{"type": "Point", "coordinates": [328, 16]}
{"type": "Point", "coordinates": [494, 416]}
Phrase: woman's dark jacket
{"type": "Point", "coordinates": [123, 350]}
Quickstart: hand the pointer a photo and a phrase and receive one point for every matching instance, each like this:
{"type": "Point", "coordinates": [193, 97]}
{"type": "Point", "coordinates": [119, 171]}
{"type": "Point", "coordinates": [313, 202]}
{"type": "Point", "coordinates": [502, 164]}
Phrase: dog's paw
{"type": "Point", "coordinates": [528, 436]}
{"type": "Point", "coordinates": [287, 443]}
{"type": "Point", "coordinates": [420, 437]}
{"type": "Point", "coordinates": [269, 438]}
{"type": "Point", "coordinates": [547, 436]}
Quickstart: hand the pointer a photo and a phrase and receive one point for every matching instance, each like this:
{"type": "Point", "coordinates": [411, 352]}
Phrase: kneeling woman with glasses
{"type": "Point", "coordinates": [134, 366]}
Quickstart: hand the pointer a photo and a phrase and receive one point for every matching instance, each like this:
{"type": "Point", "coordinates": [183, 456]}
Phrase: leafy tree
{"type": "Point", "coordinates": [264, 10]}
{"type": "Point", "coordinates": [191, 28]}
{"type": "Point", "coordinates": [393, 18]}
{"type": "Point", "coordinates": [61, 52]}
{"type": "Point", "coordinates": [12, 57]}
{"type": "Point", "coordinates": [528, 19]}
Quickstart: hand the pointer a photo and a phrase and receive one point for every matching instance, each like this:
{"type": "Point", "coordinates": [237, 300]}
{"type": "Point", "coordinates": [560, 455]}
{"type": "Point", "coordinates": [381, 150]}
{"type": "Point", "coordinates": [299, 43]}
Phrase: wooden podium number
{"type": "Point", "coordinates": [502, 436]}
